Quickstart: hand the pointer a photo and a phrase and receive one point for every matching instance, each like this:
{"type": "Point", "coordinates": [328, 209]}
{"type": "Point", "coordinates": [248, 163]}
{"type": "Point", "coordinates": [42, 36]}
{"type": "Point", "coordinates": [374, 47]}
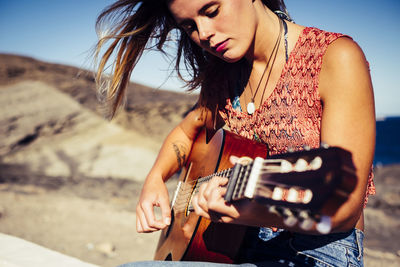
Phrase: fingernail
{"type": "Point", "coordinates": [167, 221]}
{"type": "Point", "coordinates": [233, 159]}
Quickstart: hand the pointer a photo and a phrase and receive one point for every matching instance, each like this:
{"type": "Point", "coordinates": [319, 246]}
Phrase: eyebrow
{"type": "Point", "coordinates": [201, 11]}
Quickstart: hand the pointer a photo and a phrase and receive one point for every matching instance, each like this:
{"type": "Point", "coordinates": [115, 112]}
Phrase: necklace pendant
{"type": "Point", "coordinates": [251, 108]}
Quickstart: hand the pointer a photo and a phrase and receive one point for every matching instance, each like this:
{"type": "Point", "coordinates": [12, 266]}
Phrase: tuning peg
{"type": "Point", "coordinates": [324, 226]}
{"type": "Point", "coordinates": [316, 163]}
{"type": "Point", "coordinates": [277, 194]}
{"type": "Point", "coordinates": [289, 218]}
{"type": "Point", "coordinates": [301, 165]}
{"type": "Point", "coordinates": [324, 145]}
{"type": "Point", "coordinates": [273, 209]}
{"type": "Point", "coordinates": [306, 222]}
{"type": "Point", "coordinates": [293, 195]}
{"type": "Point", "coordinates": [307, 196]}
{"type": "Point", "coordinates": [286, 166]}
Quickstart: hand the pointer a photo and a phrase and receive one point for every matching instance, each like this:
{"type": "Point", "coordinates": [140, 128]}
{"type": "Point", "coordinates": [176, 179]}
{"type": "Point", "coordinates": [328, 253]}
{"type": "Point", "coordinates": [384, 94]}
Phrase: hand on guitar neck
{"type": "Point", "coordinates": [210, 203]}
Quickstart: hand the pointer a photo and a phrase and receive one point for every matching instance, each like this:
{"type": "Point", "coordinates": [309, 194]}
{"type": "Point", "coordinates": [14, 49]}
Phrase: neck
{"type": "Point", "coordinates": [265, 37]}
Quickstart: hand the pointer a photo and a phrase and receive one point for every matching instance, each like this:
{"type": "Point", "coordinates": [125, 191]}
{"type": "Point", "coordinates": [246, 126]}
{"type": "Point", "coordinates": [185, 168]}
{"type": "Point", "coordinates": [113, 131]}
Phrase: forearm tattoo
{"type": "Point", "coordinates": [180, 152]}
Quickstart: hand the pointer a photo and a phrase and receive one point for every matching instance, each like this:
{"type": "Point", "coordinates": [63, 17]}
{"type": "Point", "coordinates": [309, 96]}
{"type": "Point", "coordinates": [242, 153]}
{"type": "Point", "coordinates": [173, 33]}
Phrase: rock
{"type": "Point", "coordinates": [106, 249]}
{"type": "Point", "coordinates": [90, 246]}
{"type": "Point", "coordinates": [47, 132]}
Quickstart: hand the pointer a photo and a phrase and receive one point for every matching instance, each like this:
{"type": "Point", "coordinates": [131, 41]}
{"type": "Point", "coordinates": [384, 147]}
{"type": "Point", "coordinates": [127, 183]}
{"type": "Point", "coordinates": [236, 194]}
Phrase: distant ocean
{"type": "Point", "coordinates": [387, 150]}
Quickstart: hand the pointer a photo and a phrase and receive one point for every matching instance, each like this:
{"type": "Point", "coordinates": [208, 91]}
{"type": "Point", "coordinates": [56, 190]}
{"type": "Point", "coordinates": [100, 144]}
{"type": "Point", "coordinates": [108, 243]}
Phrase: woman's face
{"type": "Point", "coordinates": [224, 28]}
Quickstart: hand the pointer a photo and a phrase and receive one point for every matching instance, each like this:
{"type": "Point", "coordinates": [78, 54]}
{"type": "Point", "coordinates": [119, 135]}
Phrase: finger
{"type": "Point", "coordinates": [218, 181]}
{"type": "Point", "coordinates": [139, 227]}
{"type": "Point", "coordinates": [218, 217]}
{"type": "Point", "coordinates": [233, 159]}
{"type": "Point", "coordinates": [148, 210]}
{"type": "Point", "coordinates": [143, 222]}
{"type": "Point", "coordinates": [165, 211]}
{"type": "Point", "coordinates": [215, 182]}
{"type": "Point", "coordinates": [198, 210]}
{"type": "Point", "coordinates": [217, 204]}
{"type": "Point", "coordinates": [215, 216]}
{"type": "Point", "coordinates": [201, 198]}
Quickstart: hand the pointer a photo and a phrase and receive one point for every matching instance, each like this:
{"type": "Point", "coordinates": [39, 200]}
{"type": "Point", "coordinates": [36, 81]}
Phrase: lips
{"type": "Point", "coordinates": [221, 46]}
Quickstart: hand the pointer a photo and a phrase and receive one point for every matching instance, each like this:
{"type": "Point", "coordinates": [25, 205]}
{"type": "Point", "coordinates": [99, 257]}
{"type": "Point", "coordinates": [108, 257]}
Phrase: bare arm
{"type": "Point", "coordinates": [171, 158]}
{"type": "Point", "coordinates": [348, 118]}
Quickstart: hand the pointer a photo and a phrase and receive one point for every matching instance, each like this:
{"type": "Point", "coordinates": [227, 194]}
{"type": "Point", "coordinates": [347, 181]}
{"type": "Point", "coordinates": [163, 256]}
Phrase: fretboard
{"type": "Point", "coordinates": [186, 191]}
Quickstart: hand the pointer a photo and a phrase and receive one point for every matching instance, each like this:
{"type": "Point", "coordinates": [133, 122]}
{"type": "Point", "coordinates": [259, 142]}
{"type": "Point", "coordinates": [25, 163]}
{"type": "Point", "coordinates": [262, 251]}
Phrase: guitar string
{"type": "Point", "coordinates": [184, 195]}
{"type": "Point", "coordinates": [183, 202]}
{"type": "Point", "coordinates": [183, 198]}
{"type": "Point", "coordinates": [186, 205]}
{"type": "Point", "coordinates": [264, 170]}
{"type": "Point", "coordinates": [187, 189]}
{"type": "Point", "coordinates": [266, 161]}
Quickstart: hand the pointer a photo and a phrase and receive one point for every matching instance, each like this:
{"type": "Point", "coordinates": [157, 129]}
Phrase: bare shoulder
{"type": "Point", "coordinates": [343, 67]}
{"type": "Point", "coordinates": [344, 46]}
{"type": "Point", "coordinates": [198, 118]}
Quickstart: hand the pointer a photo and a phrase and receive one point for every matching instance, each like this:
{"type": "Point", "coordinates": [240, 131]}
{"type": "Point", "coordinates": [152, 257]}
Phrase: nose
{"type": "Point", "coordinates": [205, 30]}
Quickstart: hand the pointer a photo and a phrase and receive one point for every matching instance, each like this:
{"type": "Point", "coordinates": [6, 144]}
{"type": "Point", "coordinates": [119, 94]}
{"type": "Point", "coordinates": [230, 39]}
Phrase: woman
{"type": "Point", "coordinates": [267, 79]}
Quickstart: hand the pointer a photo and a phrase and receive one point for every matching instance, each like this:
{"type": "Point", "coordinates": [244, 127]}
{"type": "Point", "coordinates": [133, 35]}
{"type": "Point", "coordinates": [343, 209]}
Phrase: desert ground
{"type": "Point", "coordinates": [70, 179]}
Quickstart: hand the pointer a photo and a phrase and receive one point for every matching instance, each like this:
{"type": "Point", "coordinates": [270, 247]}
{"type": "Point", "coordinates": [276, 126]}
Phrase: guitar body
{"type": "Point", "coordinates": [193, 238]}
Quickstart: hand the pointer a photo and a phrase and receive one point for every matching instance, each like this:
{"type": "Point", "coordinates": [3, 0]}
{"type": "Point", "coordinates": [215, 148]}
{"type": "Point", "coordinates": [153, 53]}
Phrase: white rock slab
{"type": "Point", "coordinates": [17, 252]}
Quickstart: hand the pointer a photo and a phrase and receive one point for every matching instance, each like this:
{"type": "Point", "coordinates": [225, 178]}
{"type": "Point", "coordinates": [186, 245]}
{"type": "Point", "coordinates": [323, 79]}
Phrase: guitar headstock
{"type": "Point", "coordinates": [300, 186]}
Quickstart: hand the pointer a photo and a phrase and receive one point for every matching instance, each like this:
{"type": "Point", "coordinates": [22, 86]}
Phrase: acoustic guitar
{"type": "Point", "coordinates": [304, 187]}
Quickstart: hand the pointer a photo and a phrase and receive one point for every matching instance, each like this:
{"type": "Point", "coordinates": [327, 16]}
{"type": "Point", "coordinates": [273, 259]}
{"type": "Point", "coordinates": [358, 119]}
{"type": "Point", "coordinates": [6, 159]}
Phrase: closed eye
{"type": "Point", "coordinates": [212, 12]}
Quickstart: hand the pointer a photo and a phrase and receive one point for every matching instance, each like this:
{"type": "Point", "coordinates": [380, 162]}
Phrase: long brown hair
{"type": "Point", "coordinates": [135, 25]}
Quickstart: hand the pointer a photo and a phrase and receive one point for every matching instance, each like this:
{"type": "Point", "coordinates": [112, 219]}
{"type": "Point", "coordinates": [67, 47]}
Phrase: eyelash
{"type": "Point", "coordinates": [213, 13]}
{"type": "Point", "coordinates": [189, 28]}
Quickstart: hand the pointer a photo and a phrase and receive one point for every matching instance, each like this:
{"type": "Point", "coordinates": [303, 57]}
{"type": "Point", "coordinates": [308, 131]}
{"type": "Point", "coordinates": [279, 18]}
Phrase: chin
{"type": "Point", "coordinates": [230, 58]}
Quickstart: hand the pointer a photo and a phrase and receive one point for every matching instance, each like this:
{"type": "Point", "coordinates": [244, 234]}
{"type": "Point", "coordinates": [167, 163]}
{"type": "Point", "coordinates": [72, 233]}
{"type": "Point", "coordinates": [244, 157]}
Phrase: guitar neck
{"type": "Point", "coordinates": [182, 200]}
{"type": "Point", "coordinates": [196, 184]}
{"type": "Point", "coordinates": [243, 181]}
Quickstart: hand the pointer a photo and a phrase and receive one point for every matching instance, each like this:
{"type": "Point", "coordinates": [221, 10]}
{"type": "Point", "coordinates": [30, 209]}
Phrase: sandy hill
{"type": "Point", "coordinates": [149, 111]}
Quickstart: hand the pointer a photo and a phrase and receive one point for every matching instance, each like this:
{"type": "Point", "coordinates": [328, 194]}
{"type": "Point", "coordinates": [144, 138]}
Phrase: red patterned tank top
{"type": "Point", "coordinates": [290, 118]}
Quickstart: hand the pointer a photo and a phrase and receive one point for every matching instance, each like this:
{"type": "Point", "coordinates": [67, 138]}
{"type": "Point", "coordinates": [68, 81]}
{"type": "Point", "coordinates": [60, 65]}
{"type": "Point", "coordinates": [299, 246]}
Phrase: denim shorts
{"type": "Point", "coordinates": [294, 249]}
{"type": "Point", "coordinates": [283, 248]}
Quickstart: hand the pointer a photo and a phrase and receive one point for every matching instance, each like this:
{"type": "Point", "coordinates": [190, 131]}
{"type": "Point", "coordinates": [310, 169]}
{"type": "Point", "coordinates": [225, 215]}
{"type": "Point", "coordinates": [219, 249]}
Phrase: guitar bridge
{"type": "Point", "coordinates": [176, 194]}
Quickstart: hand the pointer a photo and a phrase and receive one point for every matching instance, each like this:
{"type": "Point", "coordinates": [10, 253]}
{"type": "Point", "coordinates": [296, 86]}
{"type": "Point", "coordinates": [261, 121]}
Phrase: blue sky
{"type": "Point", "coordinates": [62, 31]}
